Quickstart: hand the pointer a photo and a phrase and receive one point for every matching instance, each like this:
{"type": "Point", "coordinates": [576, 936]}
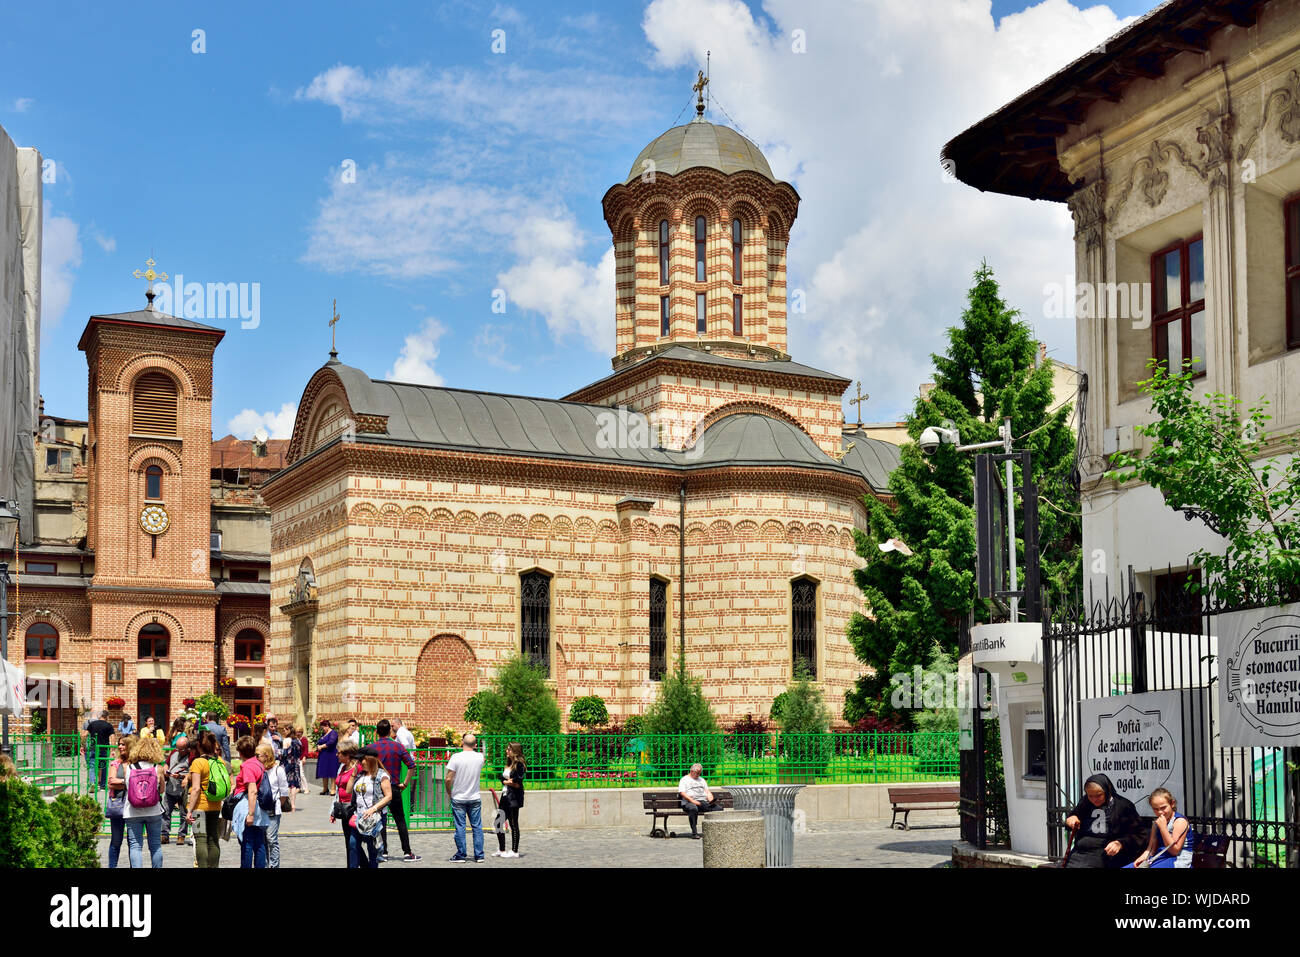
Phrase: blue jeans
{"type": "Point", "coordinates": [117, 831]}
{"type": "Point", "coordinates": [367, 852]}
{"type": "Point", "coordinates": [350, 841]}
{"type": "Point", "coordinates": [474, 809]}
{"type": "Point", "coordinates": [273, 842]}
{"type": "Point", "coordinates": [252, 852]}
{"type": "Point", "coordinates": [137, 829]}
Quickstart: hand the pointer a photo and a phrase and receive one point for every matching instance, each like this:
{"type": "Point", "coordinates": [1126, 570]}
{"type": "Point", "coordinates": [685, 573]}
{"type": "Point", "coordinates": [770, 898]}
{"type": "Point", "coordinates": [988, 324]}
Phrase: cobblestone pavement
{"type": "Point", "coordinates": [308, 840]}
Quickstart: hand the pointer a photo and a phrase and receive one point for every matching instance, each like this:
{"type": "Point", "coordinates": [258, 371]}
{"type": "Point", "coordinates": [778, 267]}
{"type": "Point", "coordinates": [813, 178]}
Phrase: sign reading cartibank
{"type": "Point", "coordinates": [1259, 677]}
{"type": "Point", "coordinates": [1007, 641]}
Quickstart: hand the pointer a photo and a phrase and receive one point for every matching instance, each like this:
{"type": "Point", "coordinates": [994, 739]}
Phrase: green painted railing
{"type": "Point", "coordinates": [635, 760]}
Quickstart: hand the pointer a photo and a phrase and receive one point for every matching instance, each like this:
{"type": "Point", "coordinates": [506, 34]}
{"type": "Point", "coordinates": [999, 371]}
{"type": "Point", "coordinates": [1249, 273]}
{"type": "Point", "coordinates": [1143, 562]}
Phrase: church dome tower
{"type": "Point", "coordinates": [700, 227]}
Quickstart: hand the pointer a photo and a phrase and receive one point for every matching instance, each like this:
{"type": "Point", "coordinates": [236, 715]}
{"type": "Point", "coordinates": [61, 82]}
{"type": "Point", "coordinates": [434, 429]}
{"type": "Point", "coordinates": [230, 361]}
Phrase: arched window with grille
{"type": "Point", "coordinates": [803, 620]}
{"type": "Point", "coordinates": [658, 628]}
{"type": "Point", "coordinates": [535, 618]}
{"type": "Point", "coordinates": [701, 247]}
{"type": "Point", "coordinates": [737, 253]}
{"type": "Point", "coordinates": [41, 642]}
{"type": "Point", "coordinates": [153, 405]}
{"type": "Point", "coordinates": [250, 647]}
{"type": "Point", "coordinates": [663, 252]}
{"type": "Point", "coordinates": [153, 477]}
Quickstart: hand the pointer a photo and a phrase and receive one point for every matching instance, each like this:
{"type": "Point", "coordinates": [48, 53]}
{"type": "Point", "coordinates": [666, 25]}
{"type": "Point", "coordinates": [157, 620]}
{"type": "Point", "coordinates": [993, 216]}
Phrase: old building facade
{"type": "Point", "coordinates": [1180, 163]}
{"type": "Point", "coordinates": [146, 578]}
{"type": "Point", "coordinates": [701, 499]}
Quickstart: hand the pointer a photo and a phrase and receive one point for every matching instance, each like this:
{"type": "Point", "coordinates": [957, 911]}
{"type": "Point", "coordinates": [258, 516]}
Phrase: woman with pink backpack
{"type": "Point", "coordinates": [145, 776]}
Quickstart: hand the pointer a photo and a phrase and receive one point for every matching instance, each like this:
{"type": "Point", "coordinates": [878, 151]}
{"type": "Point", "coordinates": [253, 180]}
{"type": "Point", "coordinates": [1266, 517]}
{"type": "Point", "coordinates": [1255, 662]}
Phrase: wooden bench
{"type": "Point", "coordinates": [938, 797]}
{"type": "Point", "coordinates": [666, 804]}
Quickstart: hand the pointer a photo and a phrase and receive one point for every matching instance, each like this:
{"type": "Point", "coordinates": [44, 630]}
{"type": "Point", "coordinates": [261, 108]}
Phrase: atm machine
{"type": "Point", "coordinates": [1013, 653]}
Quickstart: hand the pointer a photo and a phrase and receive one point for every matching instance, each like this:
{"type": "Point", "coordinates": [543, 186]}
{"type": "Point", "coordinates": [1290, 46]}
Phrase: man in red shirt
{"type": "Point", "coordinates": [392, 755]}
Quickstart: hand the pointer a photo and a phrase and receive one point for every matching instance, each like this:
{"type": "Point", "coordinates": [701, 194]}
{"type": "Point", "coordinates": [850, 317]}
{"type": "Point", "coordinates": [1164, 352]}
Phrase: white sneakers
{"type": "Point", "coordinates": [505, 854]}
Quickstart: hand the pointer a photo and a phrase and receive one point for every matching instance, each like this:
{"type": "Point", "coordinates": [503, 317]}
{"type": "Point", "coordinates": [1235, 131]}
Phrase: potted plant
{"type": "Point", "coordinates": [115, 703]}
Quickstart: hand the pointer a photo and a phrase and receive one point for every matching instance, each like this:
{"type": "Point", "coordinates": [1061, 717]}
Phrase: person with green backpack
{"type": "Point", "coordinates": [209, 786]}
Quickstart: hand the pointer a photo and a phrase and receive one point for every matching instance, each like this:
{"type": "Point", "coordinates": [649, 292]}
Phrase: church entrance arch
{"type": "Point", "coordinates": [446, 674]}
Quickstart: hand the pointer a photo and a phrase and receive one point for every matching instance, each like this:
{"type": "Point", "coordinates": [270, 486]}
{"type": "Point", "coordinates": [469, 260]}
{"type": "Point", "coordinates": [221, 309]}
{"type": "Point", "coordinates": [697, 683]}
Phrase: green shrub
{"type": "Point", "coordinates": [778, 706]}
{"type": "Point", "coordinates": [589, 711]}
{"type": "Point", "coordinates": [682, 710]}
{"type": "Point", "coordinates": [634, 724]}
{"type": "Point", "coordinates": [28, 835]}
{"type": "Point", "coordinates": [211, 701]}
{"type": "Point", "coordinates": [474, 707]}
{"type": "Point", "coordinates": [517, 703]}
{"type": "Point", "coordinates": [78, 819]}
{"type": "Point", "coordinates": [806, 741]}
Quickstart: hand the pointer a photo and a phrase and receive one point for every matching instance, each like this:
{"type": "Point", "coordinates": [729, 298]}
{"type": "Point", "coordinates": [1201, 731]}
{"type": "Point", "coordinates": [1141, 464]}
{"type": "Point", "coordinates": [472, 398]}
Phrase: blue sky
{"type": "Point", "coordinates": [479, 171]}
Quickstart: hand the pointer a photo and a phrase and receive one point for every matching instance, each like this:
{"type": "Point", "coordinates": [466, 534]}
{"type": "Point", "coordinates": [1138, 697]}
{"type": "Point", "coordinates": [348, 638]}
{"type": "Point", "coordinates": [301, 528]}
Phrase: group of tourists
{"type": "Point", "coordinates": [216, 796]}
{"type": "Point", "coordinates": [1106, 830]}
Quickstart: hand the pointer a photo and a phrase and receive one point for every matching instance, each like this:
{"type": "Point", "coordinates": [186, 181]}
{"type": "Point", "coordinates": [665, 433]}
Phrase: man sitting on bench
{"type": "Point", "coordinates": [695, 797]}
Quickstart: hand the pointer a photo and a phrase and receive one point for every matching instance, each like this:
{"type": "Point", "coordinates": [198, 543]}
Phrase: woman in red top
{"type": "Point", "coordinates": [348, 770]}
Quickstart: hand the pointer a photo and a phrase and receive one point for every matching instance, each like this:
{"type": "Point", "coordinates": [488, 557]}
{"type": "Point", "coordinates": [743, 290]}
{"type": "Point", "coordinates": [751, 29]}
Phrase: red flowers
{"type": "Point", "coordinates": [115, 702]}
{"type": "Point", "coordinates": [226, 682]}
{"type": "Point", "coordinates": [188, 703]}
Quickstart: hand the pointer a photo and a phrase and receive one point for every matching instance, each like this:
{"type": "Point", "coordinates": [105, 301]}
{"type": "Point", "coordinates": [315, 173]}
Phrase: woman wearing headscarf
{"type": "Point", "coordinates": [1107, 829]}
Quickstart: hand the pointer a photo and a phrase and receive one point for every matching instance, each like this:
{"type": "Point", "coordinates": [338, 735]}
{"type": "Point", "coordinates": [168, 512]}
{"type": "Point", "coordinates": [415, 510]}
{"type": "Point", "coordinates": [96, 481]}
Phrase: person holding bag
{"type": "Point", "coordinates": [343, 809]}
{"type": "Point", "coordinates": [145, 781]}
{"type": "Point", "coordinates": [372, 791]}
{"type": "Point", "coordinates": [116, 803]}
{"type": "Point", "coordinates": [206, 796]}
{"type": "Point", "coordinates": [174, 795]}
{"type": "Point", "coordinates": [279, 787]}
{"type": "Point", "coordinates": [512, 798]}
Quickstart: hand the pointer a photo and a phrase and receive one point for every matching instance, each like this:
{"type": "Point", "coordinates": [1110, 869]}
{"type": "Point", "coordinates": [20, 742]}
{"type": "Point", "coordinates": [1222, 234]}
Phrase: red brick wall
{"type": "Point", "coordinates": [446, 674]}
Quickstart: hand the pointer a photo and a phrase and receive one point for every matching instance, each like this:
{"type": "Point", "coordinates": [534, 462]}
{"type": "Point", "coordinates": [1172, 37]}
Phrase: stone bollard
{"type": "Point", "coordinates": [733, 839]}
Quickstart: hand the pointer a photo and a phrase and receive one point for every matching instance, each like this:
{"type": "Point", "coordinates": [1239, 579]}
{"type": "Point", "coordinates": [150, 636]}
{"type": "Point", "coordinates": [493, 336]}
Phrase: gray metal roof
{"type": "Point", "coordinates": [244, 588]}
{"type": "Point", "coordinates": [31, 580]}
{"type": "Point", "coordinates": [438, 417]}
{"type": "Point", "coordinates": [690, 354]}
{"type": "Point", "coordinates": [874, 458]}
{"type": "Point", "coordinates": [154, 318]}
{"type": "Point", "coordinates": [700, 143]}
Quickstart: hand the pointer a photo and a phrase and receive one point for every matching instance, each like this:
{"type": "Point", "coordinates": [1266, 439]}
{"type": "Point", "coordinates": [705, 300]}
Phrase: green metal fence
{"type": "Point", "coordinates": [635, 760]}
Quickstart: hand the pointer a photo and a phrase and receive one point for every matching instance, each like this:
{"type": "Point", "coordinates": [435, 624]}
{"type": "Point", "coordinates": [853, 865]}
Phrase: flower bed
{"type": "Point", "coordinates": [601, 775]}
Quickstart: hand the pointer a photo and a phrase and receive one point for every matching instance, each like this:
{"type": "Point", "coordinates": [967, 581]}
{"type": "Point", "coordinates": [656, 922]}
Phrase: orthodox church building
{"type": "Point", "coordinates": [698, 500]}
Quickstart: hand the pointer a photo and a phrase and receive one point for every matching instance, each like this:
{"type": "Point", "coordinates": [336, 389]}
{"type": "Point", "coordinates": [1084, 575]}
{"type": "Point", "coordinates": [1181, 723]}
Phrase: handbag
{"type": "Point", "coordinates": [228, 806]}
{"type": "Point", "coordinates": [116, 803]}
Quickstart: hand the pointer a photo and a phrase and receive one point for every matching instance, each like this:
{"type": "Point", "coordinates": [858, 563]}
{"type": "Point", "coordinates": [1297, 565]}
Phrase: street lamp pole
{"type": "Point", "coordinates": [1005, 443]}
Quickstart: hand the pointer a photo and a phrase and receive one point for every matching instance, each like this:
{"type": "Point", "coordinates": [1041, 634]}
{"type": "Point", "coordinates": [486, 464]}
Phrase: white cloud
{"type": "Point", "coordinates": [415, 364]}
{"type": "Point", "coordinates": [23, 104]}
{"type": "Point", "coordinates": [883, 249]}
{"type": "Point", "coordinates": [397, 224]}
{"type": "Point", "coordinates": [106, 243]}
{"type": "Point", "coordinates": [60, 258]}
{"type": "Point", "coordinates": [279, 425]}
{"type": "Point", "coordinates": [575, 298]}
{"type": "Point", "coordinates": [508, 98]}
{"type": "Point", "coordinates": [490, 345]}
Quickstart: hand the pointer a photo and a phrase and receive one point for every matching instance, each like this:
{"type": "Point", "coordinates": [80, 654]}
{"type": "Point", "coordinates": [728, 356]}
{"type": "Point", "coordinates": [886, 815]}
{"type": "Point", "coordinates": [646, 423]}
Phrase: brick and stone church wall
{"type": "Point", "coordinates": [419, 587]}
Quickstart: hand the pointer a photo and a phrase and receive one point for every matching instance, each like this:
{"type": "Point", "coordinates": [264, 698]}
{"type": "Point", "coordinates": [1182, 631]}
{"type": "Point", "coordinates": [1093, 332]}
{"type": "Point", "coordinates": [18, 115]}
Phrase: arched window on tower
{"type": "Point", "coordinates": [250, 647]}
{"type": "Point", "coordinates": [701, 318]}
{"type": "Point", "coordinates": [153, 482]}
{"type": "Point", "coordinates": [153, 642]}
{"type": "Point", "coordinates": [803, 621]}
{"type": "Point", "coordinates": [41, 642]}
{"type": "Point", "coordinates": [737, 315]}
{"type": "Point", "coordinates": [701, 244]}
{"type": "Point", "coordinates": [153, 405]}
{"type": "Point", "coordinates": [658, 628]}
{"type": "Point", "coordinates": [737, 251]}
{"type": "Point", "coordinates": [663, 252]}
{"type": "Point", "coordinates": [535, 618]}
{"type": "Point", "coordinates": [664, 326]}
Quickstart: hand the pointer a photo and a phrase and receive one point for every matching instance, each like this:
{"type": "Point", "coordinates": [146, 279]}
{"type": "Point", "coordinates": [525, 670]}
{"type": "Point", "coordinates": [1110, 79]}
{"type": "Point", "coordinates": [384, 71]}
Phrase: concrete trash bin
{"type": "Point", "coordinates": [733, 839]}
{"type": "Point", "coordinates": [776, 802]}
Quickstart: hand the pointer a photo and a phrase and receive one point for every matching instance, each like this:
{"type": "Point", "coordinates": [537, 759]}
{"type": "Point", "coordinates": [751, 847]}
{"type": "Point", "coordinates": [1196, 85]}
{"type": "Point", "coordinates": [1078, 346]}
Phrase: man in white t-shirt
{"type": "Point", "coordinates": [463, 772]}
{"type": "Point", "coordinates": [403, 735]}
{"type": "Point", "coordinates": [695, 797]}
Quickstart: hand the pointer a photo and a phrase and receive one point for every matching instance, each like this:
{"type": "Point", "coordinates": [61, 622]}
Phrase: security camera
{"type": "Point", "coordinates": [933, 437]}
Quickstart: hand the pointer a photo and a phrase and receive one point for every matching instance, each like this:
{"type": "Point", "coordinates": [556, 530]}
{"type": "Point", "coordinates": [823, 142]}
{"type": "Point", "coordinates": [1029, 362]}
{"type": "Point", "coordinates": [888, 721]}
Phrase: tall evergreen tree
{"type": "Point", "coordinates": [915, 602]}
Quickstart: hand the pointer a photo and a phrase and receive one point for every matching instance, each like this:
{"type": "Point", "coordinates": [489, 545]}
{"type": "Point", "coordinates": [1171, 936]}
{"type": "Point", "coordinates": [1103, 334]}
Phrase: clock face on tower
{"type": "Point", "coordinates": [154, 519]}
